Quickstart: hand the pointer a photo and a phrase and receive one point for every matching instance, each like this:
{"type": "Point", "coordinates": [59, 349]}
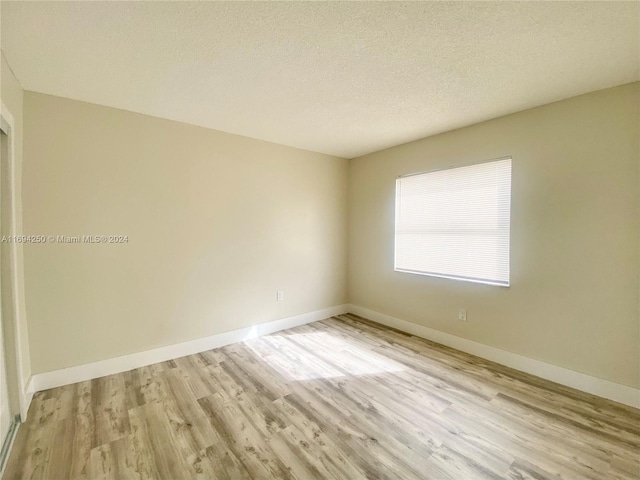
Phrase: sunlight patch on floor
{"type": "Point", "coordinates": [304, 356]}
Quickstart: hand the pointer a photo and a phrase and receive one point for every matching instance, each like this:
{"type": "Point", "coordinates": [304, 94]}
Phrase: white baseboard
{"type": "Point", "coordinates": [58, 378]}
{"type": "Point", "coordinates": [580, 381]}
{"type": "Point", "coordinates": [570, 378]}
{"type": "Point", "coordinates": [28, 396]}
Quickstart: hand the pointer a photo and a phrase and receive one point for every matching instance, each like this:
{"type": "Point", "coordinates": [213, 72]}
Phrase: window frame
{"type": "Point", "coordinates": [462, 278]}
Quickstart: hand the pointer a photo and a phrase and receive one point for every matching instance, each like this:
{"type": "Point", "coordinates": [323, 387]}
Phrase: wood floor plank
{"type": "Point", "coordinates": [140, 459]}
{"type": "Point", "coordinates": [343, 419]}
{"type": "Point", "coordinates": [108, 396]}
{"type": "Point", "coordinates": [185, 416]}
{"type": "Point", "coordinates": [358, 446]}
{"type": "Point", "coordinates": [243, 439]}
{"type": "Point", "coordinates": [316, 436]}
{"type": "Point", "coordinates": [108, 462]}
{"type": "Point", "coordinates": [343, 398]}
{"type": "Point", "coordinates": [218, 463]}
{"type": "Point", "coordinates": [37, 446]}
{"type": "Point", "coordinates": [161, 443]}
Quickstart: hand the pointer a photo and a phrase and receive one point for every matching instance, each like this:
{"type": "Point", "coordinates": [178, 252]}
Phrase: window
{"type": "Point", "coordinates": [455, 223]}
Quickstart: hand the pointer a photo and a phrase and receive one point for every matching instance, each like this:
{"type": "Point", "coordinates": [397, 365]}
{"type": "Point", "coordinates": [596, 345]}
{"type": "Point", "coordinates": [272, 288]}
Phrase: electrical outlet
{"type": "Point", "coordinates": [462, 315]}
{"type": "Point", "coordinates": [279, 295]}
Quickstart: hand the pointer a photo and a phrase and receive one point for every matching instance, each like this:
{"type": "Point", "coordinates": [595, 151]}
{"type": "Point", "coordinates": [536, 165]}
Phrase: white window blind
{"type": "Point", "coordinates": [455, 223]}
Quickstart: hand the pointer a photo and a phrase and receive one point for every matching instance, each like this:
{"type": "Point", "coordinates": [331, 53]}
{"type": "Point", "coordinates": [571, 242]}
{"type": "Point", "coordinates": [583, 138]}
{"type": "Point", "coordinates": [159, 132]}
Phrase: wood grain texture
{"type": "Point", "coordinates": [343, 398]}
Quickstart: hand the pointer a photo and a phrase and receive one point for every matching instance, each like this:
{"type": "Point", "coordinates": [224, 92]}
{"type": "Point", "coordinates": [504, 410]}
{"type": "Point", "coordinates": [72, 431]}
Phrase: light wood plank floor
{"type": "Point", "coordinates": [339, 399]}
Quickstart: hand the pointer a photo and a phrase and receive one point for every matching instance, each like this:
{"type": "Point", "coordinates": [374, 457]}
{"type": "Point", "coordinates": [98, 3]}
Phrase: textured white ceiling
{"type": "Point", "coordinates": [339, 78]}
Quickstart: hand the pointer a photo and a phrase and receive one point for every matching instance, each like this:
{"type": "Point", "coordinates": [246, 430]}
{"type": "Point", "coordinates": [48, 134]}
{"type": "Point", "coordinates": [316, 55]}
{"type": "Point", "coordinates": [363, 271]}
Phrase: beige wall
{"type": "Point", "coordinates": [217, 223]}
{"type": "Point", "coordinates": [573, 300]}
{"type": "Point", "coordinates": [12, 97]}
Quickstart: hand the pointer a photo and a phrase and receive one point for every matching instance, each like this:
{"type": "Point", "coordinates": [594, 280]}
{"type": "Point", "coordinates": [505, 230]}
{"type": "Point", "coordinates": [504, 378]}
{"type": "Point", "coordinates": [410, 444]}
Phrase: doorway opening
{"type": "Point", "coordinates": [10, 398]}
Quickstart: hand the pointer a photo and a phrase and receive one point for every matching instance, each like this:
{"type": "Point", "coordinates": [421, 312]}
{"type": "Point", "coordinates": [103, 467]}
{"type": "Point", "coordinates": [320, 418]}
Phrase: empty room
{"type": "Point", "coordinates": [320, 240]}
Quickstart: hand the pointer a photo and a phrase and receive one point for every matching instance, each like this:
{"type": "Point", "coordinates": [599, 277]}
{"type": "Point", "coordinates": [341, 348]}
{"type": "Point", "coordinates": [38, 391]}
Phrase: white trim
{"type": "Point", "coordinates": [570, 378]}
{"type": "Point", "coordinates": [57, 378]}
{"type": "Point", "coordinates": [587, 383]}
{"type": "Point", "coordinates": [16, 286]}
{"type": "Point", "coordinates": [29, 391]}
{"type": "Point", "coordinates": [13, 433]}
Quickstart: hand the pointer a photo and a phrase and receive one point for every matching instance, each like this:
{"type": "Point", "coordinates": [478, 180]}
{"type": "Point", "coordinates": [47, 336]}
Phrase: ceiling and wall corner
{"type": "Point", "coordinates": [342, 78]}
